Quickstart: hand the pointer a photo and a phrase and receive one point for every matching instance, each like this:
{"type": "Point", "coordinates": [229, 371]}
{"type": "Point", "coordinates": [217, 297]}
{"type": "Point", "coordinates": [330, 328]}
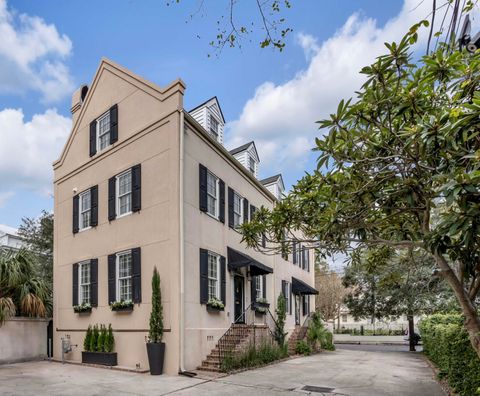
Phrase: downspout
{"type": "Point", "coordinates": [182, 253]}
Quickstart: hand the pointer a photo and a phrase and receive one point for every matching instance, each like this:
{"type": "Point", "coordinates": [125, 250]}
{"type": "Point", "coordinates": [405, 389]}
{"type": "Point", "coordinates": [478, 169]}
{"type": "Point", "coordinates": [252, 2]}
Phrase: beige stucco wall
{"type": "Point", "coordinates": [202, 328]}
{"type": "Point", "coordinates": [148, 135]}
{"type": "Point", "coordinates": [23, 339]}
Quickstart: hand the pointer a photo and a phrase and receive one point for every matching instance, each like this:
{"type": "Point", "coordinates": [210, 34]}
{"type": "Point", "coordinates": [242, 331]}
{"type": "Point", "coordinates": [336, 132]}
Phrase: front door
{"type": "Point", "coordinates": [297, 309]}
{"type": "Point", "coordinates": [239, 284]}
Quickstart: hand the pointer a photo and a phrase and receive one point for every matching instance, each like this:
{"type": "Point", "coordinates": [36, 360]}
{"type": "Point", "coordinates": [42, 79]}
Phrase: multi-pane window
{"type": "Point", "coordinates": [103, 131]}
{"type": "Point", "coordinates": [252, 165]}
{"type": "Point", "coordinates": [214, 127]}
{"type": "Point", "coordinates": [213, 276]}
{"type": "Point", "coordinates": [84, 283]}
{"type": "Point", "coordinates": [124, 276]}
{"type": "Point", "coordinates": [212, 194]}
{"type": "Point", "coordinates": [298, 254]}
{"type": "Point", "coordinates": [287, 295]}
{"type": "Point", "coordinates": [85, 206]}
{"type": "Point", "coordinates": [237, 210]}
{"type": "Point", "coordinates": [259, 287]}
{"type": "Point", "coordinates": [124, 193]}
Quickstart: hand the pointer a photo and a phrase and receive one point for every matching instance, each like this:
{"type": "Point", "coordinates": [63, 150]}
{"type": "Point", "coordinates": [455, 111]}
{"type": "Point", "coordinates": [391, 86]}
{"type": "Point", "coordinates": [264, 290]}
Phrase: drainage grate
{"type": "Point", "coordinates": [317, 389]}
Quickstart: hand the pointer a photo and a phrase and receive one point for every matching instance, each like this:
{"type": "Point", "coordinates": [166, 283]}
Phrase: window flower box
{"type": "Point", "coordinates": [82, 308]}
{"type": "Point", "coordinates": [215, 305]}
{"type": "Point", "coordinates": [261, 306]}
{"type": "Point", "coordinates": [122, 306]}
{"type": "Point", "coordinates": [103, 358]}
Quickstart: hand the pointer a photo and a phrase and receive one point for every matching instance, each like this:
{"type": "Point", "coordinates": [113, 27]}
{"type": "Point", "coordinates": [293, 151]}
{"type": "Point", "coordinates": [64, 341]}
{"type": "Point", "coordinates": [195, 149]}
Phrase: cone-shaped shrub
{"type": "Point", "coordinates": [156, 316]}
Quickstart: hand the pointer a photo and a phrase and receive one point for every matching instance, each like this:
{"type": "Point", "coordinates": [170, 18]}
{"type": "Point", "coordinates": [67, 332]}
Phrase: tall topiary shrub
{"type": "Point", "coordinates": [94, 339]}
{"type": "Point", "coordinates": [101, 339]}
{"type": "Point", "coordinates": [155, 333]}
{"type": "Point", "coordinates": [281, 312]}
{"type": "Point", "coordinates": [86, 340]}
{"type": "Point", "coordinates": [109, 339]}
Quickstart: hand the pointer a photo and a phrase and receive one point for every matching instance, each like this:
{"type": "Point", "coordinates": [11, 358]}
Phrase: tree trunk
{"type": "Point", "coordinates": [411, 333]}
{"type": "Point", "coordinates": [472, 320]}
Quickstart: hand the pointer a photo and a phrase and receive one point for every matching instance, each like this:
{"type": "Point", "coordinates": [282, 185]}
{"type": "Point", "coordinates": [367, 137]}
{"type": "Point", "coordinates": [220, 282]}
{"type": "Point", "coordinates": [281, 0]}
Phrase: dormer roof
{"type": "Point", "coordinates": [246, 147]}
{"type": "Point", "coordinates": [209, 103]}
{"type": "Point", "coordinates": [273, 179]}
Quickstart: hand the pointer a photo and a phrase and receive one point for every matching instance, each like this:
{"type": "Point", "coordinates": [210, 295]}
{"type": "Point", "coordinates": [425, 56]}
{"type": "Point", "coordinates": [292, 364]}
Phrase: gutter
{"type": "Point", "coordinates": [182, 250]}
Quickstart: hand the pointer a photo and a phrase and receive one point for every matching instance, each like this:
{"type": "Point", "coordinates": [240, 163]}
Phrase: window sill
{"type": "Point", "coordinates": [123, 215]}
{"type": "Point", "coordinates": [212, 216]}
{"type": "Point", "coordinates": [84, 229]}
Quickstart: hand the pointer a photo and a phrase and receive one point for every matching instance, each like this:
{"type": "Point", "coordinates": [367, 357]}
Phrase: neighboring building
{"type": "Point", "coordinates": [9, 238]}
{"type": "Point", "coordinates": [275, 185]}
{"type": "Point", "coordinates": [143, 183]}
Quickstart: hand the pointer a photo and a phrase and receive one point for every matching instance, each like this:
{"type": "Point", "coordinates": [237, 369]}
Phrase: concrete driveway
{"type": "Point", "coordinates": [346, 372]}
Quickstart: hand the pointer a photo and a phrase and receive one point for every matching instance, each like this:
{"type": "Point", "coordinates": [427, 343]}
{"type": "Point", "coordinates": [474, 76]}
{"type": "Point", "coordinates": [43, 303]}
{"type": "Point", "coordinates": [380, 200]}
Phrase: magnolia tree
{"type": "Point", "coordinates": [408, 148]}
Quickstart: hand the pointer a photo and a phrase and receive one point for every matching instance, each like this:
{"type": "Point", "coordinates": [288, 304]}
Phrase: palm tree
{"type": "Point", "coordinates": [21, 290]}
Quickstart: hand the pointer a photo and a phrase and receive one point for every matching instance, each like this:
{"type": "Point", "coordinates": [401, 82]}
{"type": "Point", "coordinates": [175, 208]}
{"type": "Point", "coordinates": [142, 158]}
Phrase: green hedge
{"type": "Point", "coordinates": [446, 343]}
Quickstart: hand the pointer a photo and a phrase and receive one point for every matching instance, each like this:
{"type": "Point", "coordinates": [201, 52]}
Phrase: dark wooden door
{"type": "Point", "coordinates": [238, 298]}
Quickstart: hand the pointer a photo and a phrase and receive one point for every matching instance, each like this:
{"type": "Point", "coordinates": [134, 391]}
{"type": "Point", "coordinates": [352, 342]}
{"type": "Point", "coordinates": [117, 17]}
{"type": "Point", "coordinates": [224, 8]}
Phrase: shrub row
{"type": "Point", "coordinates": [99, 339]}
{"type": "Point", "coordinates": [254, 356]}
{"type": "Point", "coordinates": [369, 332]}
{"type": "Point", "coordinates": [446, 343]}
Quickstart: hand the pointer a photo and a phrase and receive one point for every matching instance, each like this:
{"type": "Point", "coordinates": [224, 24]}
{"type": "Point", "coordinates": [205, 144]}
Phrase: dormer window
{"type": "Point", "coordinates": [213, 127]}
{"type": "Point", "coordinates": [252, 166]}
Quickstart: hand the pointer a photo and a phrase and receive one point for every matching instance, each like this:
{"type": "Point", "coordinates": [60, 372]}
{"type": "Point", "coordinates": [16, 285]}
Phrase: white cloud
{"type": "Point", "coordinates": [28, 148]}
{"type": "Point", "coordinates": [281, 118]}
{"type": "Point", "coordinates": [32, 56]}
{"type": "Point", "coordinates": [4, 197]}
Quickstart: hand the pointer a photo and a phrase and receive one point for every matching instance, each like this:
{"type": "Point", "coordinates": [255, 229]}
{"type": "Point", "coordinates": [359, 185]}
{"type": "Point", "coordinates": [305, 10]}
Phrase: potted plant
{"type": "Point", "coordinates": [215, 305]}
{"type": "Point", "coordinates": [261, 306]}
{"type": "Point", "coordinates": [155, 346]}
{"type": "Point", "coordinates": [122, 306]}
{"type": "Point", "coordinates": [98, 346]}
{"type": "Point", "coordinates": [82, 308]}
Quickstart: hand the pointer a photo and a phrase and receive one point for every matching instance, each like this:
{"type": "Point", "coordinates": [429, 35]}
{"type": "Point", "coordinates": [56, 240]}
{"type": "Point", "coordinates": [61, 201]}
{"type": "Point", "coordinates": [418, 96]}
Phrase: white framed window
{"type": "Point", "coordinates": [259, 286]}
{"type": "Point", "coordinates": [237, 210]}
{"type": "Point", "coordinates": [85, 210]}
{"type": "Point", "coordinates": [124, 193]}
{"type": "Point", "coordinates": [298, 254]}
{"type": "Point", "coordinates": [213, 127]}
{"type": "Point", "coordinates": [84, 283]}
{"type": "Point", "coordinates": [212, 195]}
{"type": "Point", "coordinates": [103, 131]}
{"type": "Point", "coordinates": [213, 276]}
{"type": "Point", "coordinates": [344, 317]}
{"type": "Point", "coordinates": [251, 165]}
{"type": "Point", "coordinates": [124, 276]}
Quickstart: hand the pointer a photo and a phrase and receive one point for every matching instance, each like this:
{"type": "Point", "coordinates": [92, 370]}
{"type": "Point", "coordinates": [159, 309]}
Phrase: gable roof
{"type": "Point", "coordinates": [273, 179]}
{"type": "Point", "coordinates": [245, 147]}
{"type": "Point", "coordinates": [212, 99]}
{"type": "Point", "coordinates": [141, 83]}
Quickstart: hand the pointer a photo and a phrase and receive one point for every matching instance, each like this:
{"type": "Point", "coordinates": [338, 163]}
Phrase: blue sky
{"type": "Point", "coordinates": [49, 48]}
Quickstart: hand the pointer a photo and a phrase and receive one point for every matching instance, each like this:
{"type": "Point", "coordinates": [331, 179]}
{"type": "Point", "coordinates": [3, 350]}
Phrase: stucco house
{"type": "Point", "coordinates": [141, 182]}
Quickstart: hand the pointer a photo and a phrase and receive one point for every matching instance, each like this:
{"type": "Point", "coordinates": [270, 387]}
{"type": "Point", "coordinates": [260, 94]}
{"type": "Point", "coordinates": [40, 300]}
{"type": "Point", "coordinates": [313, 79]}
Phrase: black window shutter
{"type": "Point", "coordinates": [136, 276]}
{"type": "Point", "coordinates": [264, 295]}
{"type": "Point", "coordinates": [231, 223]}
{"type": "Point", "coordinates": [75, 284]}
{"type": "Point", "coordinates": [75, 214]}
{"type": "Point", "coordinates": [245, 210]}
{"type": "Point", "coordinates": [112, 285]}
{"type": "Point", "coordinates": [253, 209]}
{"type": "Point", "coordinates": [136, 188]}
{"type": "Point", "coordinates": [290, 299]}
{"type": "Point", "coordinates": [113, 124]}
{"type": "Point", "coordinates": [221, 187]}
{"type": "Point", "coordinates": [302, 257]}
{"type": "Point", "coordinates": [93, 138]}
{"type": "Point", "coordinates": [264, 240]}
{"type": "Point", "coordinates": [203, 276]}
{"type": "Point", "coordinates": [307, 256]}
{"type": "Point", "coordinates": [223, 284]}
{"type": "Point", "coordinates": [294, 252]}
{"type": "Point", "coordinates": [111, 198]}
{"type": "Point", "coordinates": [253, 289]}
{"type": "Point", "coordinates": [202, 187]}
{"type": "Point", "coordinates": [94, 282]}
{"type": "Point", "coordinates": [94, 206]}
{"type": "Point", "coordinates": [284, 292]}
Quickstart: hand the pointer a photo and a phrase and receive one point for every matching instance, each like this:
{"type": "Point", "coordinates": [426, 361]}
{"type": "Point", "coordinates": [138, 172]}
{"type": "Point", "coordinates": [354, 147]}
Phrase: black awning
{"type": "Point", "coordinates": [300, 287]}
{"type": "Point", "coordinates": [239, 260]}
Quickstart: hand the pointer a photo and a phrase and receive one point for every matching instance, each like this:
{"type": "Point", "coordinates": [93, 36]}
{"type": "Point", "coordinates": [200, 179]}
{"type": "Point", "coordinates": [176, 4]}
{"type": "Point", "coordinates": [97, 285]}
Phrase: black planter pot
{"type": "Point", "coordinates": [156, 355]}
{"type": "Point", "coordinates": [123, 309]}
{"type": "Point", "coordinates": [214, 309]}
{"type": "Point", "coordinates": [257, 304]}
{"type": "Point", "coordinates": [103, 358]}
{"type": "Point", "coordinates": [83, 312]}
